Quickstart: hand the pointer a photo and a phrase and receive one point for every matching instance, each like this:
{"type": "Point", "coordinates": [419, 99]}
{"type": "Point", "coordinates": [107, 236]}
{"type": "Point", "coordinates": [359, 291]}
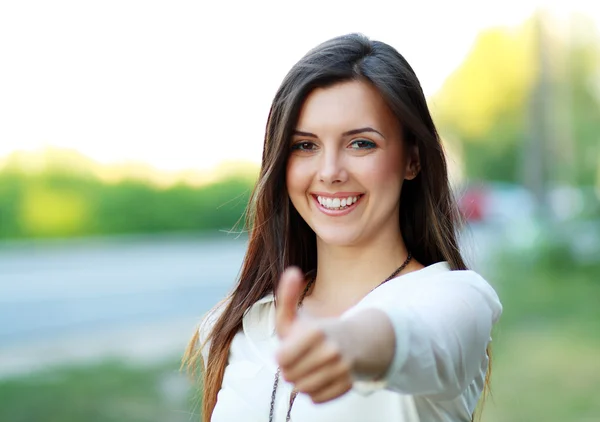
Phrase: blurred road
{"type": "Point", "coordinates": [53, 288]}
{"type": "Point", "coordinates": [80, 299]}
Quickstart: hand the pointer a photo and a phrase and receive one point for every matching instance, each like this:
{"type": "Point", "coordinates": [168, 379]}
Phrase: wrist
{"type": "Point", "coordinates": [369, 341]}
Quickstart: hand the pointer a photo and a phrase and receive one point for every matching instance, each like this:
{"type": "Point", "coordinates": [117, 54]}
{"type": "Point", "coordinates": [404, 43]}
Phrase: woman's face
{"type": "Point", "coordinates": [347, 163]}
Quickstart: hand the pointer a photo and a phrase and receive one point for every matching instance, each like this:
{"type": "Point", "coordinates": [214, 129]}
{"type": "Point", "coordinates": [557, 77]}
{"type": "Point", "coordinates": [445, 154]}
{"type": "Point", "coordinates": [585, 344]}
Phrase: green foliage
{"type": "Point", "coordinates": [488, 104]}
{"type": "Point", "coordinates": [483, 104]}
{"type": "Point", "coordinates": [107, 392]}
{"type": "Point", "coordinates": [59, 204]}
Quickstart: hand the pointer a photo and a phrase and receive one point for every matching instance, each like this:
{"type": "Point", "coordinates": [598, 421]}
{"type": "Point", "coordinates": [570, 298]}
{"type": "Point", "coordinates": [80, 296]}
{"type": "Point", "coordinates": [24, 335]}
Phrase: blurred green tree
{"type": "Point", "coordinates": [488, 103]}
{"type": "Point", "coordinates": [47, 197]}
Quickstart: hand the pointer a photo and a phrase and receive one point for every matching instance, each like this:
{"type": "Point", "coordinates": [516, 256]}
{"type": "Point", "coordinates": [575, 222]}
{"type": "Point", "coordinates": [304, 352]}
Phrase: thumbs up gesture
{"type": "Point", "coordinates": [312, 353]}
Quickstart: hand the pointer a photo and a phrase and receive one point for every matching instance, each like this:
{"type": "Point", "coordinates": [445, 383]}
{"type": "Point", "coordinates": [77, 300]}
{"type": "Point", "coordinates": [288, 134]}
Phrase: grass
{"type": "Point", "coordinates": [553, 293]}
{"type": "Point", "coordinates": [546, 346]}
{"type": "Point", "coordinates": [544, 375]}
{"type": "Point", "coordinates": [106, 392]}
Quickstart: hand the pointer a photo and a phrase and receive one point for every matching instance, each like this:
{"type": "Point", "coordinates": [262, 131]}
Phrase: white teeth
{"type": "Point", "coordinates": [337, 203]}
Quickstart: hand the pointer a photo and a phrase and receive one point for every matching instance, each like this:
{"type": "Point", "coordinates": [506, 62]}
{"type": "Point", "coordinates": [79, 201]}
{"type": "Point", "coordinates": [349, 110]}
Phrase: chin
{"type": "Point", "coordinates": [337, 236]}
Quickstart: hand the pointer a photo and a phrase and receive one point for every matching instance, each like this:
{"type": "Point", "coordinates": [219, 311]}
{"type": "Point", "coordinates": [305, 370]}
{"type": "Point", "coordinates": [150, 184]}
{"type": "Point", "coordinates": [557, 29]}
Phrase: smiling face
{"type": "Point", "coordinates": [347, 164]}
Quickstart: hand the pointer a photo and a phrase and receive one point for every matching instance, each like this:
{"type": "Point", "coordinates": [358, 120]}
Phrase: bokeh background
{"type": "Point", "coordinates": [130, 137]}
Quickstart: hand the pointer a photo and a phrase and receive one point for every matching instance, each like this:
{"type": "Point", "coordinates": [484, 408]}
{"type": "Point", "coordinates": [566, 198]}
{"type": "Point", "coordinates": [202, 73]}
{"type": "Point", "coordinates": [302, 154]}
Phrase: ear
{"type": "Point", "coordinates": [413, 163]}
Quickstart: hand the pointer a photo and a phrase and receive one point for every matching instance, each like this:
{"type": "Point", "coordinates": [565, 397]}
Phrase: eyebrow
{"type": "Point", "coordinates": [348, 133]}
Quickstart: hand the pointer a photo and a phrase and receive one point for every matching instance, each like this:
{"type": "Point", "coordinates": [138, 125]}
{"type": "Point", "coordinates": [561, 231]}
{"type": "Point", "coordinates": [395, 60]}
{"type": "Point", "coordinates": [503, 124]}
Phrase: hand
{"type": "Point", "coordinates": [311, 354]}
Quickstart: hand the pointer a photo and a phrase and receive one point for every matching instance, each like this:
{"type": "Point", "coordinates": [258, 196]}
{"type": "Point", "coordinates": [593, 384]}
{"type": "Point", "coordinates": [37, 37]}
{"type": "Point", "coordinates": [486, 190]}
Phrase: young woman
{"type": "Point", "coordinates": [353, 302]}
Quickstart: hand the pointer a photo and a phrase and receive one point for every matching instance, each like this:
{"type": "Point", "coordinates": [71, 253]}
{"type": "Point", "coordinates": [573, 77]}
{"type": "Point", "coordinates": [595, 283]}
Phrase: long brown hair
{"type": "Point", "coordinates": [279, 237]}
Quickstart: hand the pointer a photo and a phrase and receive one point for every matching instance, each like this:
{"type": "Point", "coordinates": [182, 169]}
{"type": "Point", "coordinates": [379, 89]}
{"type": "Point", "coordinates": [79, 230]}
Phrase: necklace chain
{"type": "Point", "coordinates": [304, 292]}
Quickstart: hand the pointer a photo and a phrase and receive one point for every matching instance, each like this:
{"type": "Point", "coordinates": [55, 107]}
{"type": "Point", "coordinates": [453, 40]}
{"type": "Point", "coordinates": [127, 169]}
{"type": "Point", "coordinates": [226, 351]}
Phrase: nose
{"type": "Point", "coordinates": [331, 168]}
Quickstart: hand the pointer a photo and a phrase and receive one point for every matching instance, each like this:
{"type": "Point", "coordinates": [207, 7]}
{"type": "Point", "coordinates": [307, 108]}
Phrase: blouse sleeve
{"type": "Point", "coordinates": [442, 327]}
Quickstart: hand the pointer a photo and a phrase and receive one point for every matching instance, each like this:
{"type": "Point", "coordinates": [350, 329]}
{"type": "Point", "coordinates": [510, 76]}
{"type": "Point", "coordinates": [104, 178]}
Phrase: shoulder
{"type": "Point", "coordinates": [467, 286]}
{"type": "Point", "coordinates": [258, 321]}
{"type": "Point", "coordinates": [434, 285]}
{"type": "Point", "coordinates": [439, 277]}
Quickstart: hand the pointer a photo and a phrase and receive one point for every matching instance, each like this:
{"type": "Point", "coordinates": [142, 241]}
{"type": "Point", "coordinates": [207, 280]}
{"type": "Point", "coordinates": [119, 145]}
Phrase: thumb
{"type": "Point", "coordinates": [288, 294]}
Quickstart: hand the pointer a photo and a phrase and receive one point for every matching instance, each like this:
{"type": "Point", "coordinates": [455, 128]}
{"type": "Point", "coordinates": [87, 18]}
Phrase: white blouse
{"type": "Point", "coordinates": [442, 320]}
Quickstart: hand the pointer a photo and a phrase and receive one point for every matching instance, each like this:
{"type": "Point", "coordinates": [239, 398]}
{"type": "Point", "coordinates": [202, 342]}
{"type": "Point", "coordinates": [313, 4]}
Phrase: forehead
{"type": "Point", "coordinates": [346, 106]}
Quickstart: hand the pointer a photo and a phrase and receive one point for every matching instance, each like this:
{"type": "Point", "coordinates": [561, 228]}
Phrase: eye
{"type": "Point", "coordinates": [362, 144]}
{"type": "Point", "coordinates": [304, 146]}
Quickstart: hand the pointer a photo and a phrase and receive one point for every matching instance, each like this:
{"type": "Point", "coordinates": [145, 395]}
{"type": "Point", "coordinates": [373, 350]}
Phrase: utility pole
{"type": "Point", "coordinates": [535, 160]}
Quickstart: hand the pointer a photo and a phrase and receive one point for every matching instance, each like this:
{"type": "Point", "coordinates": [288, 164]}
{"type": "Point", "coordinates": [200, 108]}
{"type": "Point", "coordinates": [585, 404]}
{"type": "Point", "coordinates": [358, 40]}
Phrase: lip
{"type": "Point", "coordinates": [337, 213]}
{"type": "Point", "coordinates": [337, 194]}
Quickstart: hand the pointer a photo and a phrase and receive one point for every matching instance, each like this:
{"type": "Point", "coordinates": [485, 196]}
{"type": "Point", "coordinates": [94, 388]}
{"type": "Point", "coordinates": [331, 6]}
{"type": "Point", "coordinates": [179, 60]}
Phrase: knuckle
{"type": "Point", "coordinates": [332, 351]}
{"type": "Point", "coordinates": [303, 387]}
{"type": "Point", "coordinates": [316, 399]}
{"type": "Point", "coordinates": [310, 386]}
{"type": "Point", "coordinates": [315, 333]}
{"type": "Point", "coordinates": [307, 388]}
{"type": "Point", "coordinates": [344, 366]}
{"type": "Point", "coordinates": [285, 374]}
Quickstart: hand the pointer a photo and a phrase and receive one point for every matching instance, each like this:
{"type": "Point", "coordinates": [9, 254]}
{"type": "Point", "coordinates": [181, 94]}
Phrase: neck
{"type": "Point", "coordinates": [345, 274]}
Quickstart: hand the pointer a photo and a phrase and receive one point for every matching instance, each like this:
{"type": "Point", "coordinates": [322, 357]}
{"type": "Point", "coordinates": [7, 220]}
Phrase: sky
{"type": "Point", "coordinates": [188, 84]}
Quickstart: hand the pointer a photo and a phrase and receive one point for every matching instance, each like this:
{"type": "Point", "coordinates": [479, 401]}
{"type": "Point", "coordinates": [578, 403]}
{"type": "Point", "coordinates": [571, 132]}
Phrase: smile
{"type": "Point", "coordinates": [338, 205]}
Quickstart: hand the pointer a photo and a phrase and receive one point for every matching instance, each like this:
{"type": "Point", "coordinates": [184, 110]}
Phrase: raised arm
{"type": "Point", "coordinates": [425, 338]}
{"type": "Point", "coordinates": [428, 337]}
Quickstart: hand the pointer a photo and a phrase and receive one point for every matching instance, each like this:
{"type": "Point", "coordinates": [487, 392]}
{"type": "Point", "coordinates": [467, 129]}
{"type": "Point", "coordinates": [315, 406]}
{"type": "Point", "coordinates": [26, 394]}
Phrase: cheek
{"type": "Point", "coordinates": [296, 177]}
{"type": "Point", "coordinates": [382, 172]}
